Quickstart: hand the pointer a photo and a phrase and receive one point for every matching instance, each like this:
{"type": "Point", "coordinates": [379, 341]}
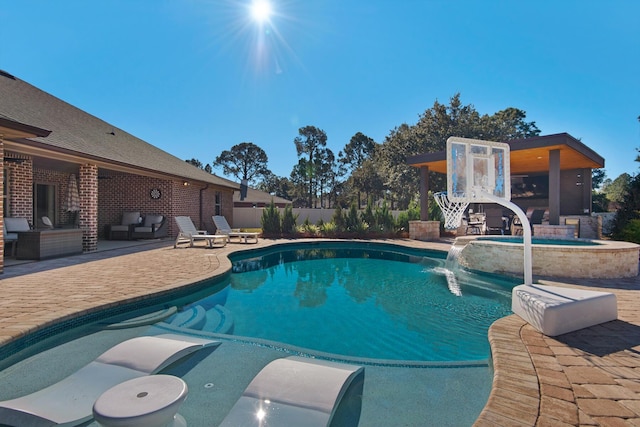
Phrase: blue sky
{"type": "Point", "coordinates": [195, 77]}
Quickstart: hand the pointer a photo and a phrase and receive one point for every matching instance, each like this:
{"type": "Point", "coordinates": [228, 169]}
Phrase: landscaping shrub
{"type": "Point", "coordinates": [412, 214]}
{"type": "Point", "coordinates": [339, 220]}
{"type": "Point", "coordinates": [327, 229]}
{"type": "Point", "coordinates": [271, 221]}
{"type": "Point", "coordinates": [353, 222]}
{"type": "Point", "coordinates": [383, 219]}
{"type": "Point", "coordinates": [289, 220]}
{"type": "Point", "coordinates": [631, 231]}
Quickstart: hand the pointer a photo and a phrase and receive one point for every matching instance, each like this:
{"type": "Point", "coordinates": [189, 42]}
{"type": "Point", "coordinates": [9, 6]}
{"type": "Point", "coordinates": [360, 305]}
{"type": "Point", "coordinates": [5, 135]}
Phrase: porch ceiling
{"type": "Point", "coordinates": [529, 156]}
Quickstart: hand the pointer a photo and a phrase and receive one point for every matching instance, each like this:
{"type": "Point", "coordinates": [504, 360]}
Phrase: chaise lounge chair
{"type": "Point", "coordinates": [223, 227]}
{"type": "Point", "coordinates": [70, 401]}
{"type": "Point", "coordinates": [293, 391]}
{"type": "Point", "coordinates": [188, 233]}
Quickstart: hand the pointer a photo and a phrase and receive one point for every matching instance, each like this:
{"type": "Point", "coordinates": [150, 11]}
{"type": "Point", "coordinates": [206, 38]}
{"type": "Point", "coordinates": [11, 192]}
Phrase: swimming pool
{"type": "Point", "coordinates": [363, 301]}
{"type": "Point", "coordinates": [412, 394]}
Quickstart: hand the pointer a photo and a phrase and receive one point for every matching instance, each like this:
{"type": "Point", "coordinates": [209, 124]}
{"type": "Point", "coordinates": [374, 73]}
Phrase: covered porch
{"type": "Point", "coordinates": [549, 174]}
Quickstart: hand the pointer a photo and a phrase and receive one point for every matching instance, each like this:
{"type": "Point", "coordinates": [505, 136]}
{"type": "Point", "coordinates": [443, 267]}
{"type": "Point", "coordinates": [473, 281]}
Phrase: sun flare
{"type": "Point", "coordinates": [261, 10]}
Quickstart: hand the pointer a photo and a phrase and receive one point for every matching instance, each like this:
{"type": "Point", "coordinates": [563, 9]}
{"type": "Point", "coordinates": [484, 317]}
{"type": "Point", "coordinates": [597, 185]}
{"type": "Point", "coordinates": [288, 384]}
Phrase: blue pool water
{"type": "Point", "coordinates": [366, 303]}
{"type": "Point", "coordinates": [394, 288]}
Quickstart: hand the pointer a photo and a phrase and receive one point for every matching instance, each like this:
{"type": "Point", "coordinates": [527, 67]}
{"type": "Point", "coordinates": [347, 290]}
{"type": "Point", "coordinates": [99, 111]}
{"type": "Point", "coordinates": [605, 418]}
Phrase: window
{"type": "Point", "coordinates": [218, 206]}
{"type": "Point", "coordinates": [44, 203]}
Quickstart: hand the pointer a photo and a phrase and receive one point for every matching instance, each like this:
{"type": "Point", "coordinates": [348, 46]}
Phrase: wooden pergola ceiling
{"type": "Point", "coordinates": [529, 156]}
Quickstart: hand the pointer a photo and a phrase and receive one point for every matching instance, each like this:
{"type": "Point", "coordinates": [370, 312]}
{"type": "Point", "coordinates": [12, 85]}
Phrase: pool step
{"type": "Point", "coordinates": [194, 317]}
{"type": "Point", "coordinates": [219, 320]}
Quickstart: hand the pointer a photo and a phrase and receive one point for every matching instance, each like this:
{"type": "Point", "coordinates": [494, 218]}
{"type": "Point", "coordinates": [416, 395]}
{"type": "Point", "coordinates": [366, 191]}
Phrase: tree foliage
{"type": "Point", "coordinates": [364, 166]}
{"type": "Point", "coordinates": [309, 141]}
{"type": "Point", "coordinates": [359, 149]}
{"type": "Point", "coordinates": [617, 190]}
{"type": "Point", "coordinates": [276, 186]}
{"type": "Point", "coordinates": [430, 134]}
{"type": "Point", "coordinates": [245, 161]}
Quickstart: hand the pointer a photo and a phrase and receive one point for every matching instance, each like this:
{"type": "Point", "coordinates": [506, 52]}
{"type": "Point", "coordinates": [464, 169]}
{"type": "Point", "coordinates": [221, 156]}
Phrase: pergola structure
{"type": "Point", "coordinates": [567, 162]}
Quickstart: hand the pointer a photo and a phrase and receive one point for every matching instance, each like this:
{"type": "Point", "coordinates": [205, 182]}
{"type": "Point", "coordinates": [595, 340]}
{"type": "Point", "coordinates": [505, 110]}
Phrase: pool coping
{"type": "Point", "coordinates": [587, 377]}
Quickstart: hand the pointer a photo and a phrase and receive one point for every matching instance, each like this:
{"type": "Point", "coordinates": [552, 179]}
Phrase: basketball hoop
{"type": "Point", "coordinates": [452, 211]}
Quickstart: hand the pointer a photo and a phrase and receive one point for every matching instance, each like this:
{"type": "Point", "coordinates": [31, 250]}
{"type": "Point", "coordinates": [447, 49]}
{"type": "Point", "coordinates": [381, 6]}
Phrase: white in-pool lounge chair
{"type": "Point", "coordinates": [223, 227]}
{"type": "Point", "coordinates": [69, 402]}
{"type": "Point", "coordinates": [293, 391]}
{"type": "Point", "coordinates": [189, 233]}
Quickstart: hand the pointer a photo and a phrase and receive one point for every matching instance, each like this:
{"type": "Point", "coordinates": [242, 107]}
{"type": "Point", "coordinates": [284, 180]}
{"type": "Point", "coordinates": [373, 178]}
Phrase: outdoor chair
{"type": "Point", "coordinates": [295, 391]}
{"type": "Point", "coordinates": [152, 227]}
{"type": "Point", "coordinates": [11, 228]}
{"type": "Point", "coordinates": [189, 233]}
{"type": "Point", "coordinates": [46, 222]}
{"type": "Point", "coordinates": [124, 230]}
{"type": "Point", "coordinates": [69, 402]}
{"type": "Point", "coordinates": [223, 227]}
{"type": "Point", "coordinates": [495, 221]}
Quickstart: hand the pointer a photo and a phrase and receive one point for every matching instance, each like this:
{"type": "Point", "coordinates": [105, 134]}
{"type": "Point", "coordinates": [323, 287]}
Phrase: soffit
{"type": "Point", "coordinates": [526, 159]}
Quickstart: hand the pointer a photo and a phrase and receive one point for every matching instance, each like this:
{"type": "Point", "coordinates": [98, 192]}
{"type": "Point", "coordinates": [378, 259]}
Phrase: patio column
{"type": "Point", "coordinates": [554, 187]}
{"type": "Point", "coordinates": [424, 193]}
{"type": "Point", "coordinates": [2, 203]}
{"type": "Point", "coordinates": [89, 207]}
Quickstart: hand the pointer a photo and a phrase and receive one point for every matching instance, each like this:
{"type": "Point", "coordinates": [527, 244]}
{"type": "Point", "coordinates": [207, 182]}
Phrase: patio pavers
{"type": "Point", "coordinates": [587, 377]}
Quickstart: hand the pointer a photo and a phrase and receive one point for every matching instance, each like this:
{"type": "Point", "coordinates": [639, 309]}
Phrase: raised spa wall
{"type": "Point", "coordinates": [603, 260]}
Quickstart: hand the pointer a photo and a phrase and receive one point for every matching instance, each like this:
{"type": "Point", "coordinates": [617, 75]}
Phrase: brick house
{"type": "Point", "coordinates": [257, 199]}
{"type": "Point", "coordinates": [44, 141]}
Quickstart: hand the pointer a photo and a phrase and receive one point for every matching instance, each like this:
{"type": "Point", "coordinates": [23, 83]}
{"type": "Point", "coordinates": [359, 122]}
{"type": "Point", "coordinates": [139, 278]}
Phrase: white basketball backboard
{"type": "Point", "coordinates": [475, 167]}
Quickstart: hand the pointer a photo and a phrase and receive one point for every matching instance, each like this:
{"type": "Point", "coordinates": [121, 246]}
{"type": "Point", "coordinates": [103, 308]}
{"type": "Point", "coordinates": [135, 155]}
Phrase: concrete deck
{"type": "Point", "coordinates": [588, 377]}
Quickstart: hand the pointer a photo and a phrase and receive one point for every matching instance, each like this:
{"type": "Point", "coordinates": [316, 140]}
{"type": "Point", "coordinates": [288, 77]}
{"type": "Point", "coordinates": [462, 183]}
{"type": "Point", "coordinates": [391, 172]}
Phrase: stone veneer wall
{"type": "Point", "coordinates": [424, 230]}
{"type": "Point", "coordinates": [607, 260]}
{"type": "Point", "coordinates": [554, 231]}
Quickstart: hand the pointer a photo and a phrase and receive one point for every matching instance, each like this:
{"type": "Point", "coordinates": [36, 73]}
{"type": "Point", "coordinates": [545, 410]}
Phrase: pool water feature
{"type": "Point", "coordinates": [365, 303]}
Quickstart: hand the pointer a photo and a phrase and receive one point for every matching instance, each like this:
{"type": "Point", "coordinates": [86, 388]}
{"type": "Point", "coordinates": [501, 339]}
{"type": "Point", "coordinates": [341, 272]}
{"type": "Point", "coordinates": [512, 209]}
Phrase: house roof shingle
{"type": "Point", "coordinates": [80, 133]}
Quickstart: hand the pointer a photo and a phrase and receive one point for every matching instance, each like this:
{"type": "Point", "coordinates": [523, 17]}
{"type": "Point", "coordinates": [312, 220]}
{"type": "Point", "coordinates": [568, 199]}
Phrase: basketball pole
{"type": "Point", "coordinates": [526, 232]}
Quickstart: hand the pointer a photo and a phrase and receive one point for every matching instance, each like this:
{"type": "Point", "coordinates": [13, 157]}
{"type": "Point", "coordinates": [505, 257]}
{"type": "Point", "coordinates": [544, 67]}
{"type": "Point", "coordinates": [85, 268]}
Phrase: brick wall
{"type": "Point", "coordinates": [209, 207]}
{"type": "Point", "coordinates": [103, 199]}
{"type": "Point", "coordinates": [21, 181]}
{"type": "Point", "coordinates": [131, 193]}
{"type": "Point", "coordinates": [2, 204]}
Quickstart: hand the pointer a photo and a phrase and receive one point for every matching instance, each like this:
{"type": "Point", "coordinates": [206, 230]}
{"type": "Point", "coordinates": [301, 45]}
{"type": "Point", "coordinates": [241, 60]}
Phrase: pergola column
{"type": "Point", "coordinates": [424, 193]}
{"type": "Point", "coordinates": [89, 207]}
{"type": "Point", "coordinates": [554, 187]}
{"type": "Point", "coordinates": [2, 203]}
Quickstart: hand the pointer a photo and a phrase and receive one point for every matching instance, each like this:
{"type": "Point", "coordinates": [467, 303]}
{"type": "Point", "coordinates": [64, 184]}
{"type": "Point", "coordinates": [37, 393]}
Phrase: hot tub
{"type": "Point", "coordinates": [579, 258]}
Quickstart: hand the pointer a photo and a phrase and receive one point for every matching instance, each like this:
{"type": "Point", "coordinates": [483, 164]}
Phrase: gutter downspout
{"type": "Point", "coordinates": [202, 190]}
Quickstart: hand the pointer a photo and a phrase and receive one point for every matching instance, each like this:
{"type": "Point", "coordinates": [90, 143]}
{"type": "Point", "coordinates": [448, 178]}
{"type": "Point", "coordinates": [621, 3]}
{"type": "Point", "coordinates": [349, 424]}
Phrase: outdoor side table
{"type": "Point", "coordinates": [149, 401]}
